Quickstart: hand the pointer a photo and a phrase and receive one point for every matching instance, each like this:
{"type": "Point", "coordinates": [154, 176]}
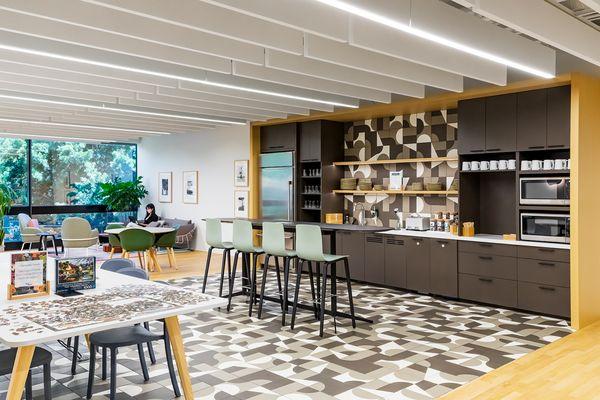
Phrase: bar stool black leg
{"type": "Point", "coordinates": [104, 357]}
{"type": "Point", "coordinates": [232, 281]}
{"type": "Point", "coordinates": [113, 373]}
{"type": "Point", "coordinates": [229, 278]}
{"type": "Point", "coordinates": [92, 370]}
{"type": "Point", "coordinates": [47, 382]}
{"type": "Point", "coordinates": [333, 278]}
{"type": "Point", "coordinates": [224, 259]}
{"type": "Point", "coordinates": [28, 387]}
{"type": "Point", "coordinates": [323, 297]}
{"type": "Point", "coordinates": [296, 291]}
{"type": "Point", "coordinates": [245, 274]}
{"type": "Point", "coordinates": [262, 287]}
{"type": "Point", "coordinates": [210, 250]}
{"type": "Point", "coordinates": [254, 283]}
{"type": "Point", "coordinates": [75, 351]}
{"type": "Point", "coordinates": [286, 271]}
{"type": "Point", "coordinates": [145, 374]}
{"type": "Point", "coordinates": [312, 290]}
{"type": "Point", "coordinates": [350, 300]}
{"type": "Point", "coordinates": [278, 271]}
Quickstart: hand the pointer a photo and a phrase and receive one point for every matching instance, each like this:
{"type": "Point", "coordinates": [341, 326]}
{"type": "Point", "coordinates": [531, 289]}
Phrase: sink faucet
{"type": "Point", "coordinates": [399, 216]}
{"type": "Point", "coordinates": [362, 220]}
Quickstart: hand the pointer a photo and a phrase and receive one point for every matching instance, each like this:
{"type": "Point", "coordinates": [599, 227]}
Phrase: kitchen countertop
{"type": "Point", "coordinates": [497, 239]}
{"type": "Point", "coordinates": [324, 227]}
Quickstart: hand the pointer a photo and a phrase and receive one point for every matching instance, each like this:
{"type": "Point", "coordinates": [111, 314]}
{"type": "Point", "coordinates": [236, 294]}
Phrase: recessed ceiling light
{"type": "Point", "coordinates": [82, 126]}
{"type": "Point", "coordinates": [381, 19]}
{"type": "Point", "coordinates": [67, 138]}
{"type": "Point", "coordinates": [171, 76]}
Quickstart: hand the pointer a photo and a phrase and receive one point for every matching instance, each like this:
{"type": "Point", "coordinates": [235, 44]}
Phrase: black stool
{"type": "Point", "coordinates": [123, 337]}
{"type": "Point", "coordinates": [41, 357]}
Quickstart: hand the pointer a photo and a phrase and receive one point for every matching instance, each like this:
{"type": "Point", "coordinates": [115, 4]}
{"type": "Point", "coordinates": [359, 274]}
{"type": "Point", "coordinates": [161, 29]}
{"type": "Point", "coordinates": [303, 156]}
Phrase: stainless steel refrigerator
{"type": "Point", "coordinates": [277, 185]}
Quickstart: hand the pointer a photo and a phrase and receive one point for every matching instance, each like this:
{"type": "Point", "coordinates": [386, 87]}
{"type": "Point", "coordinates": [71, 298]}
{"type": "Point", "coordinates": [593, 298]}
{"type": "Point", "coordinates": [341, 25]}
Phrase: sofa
{"type": "Point", "coordinates": [185, 231]}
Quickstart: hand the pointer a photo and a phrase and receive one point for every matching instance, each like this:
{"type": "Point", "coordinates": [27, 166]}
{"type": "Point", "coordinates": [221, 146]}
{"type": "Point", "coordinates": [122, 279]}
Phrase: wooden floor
{"type": "Point", "coordinates": [566, 369]}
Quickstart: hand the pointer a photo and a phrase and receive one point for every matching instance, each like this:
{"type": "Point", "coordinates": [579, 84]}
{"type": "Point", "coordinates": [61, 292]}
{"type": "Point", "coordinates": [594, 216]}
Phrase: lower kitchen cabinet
{"type": "Point", "coordinates": [443, 268]}
{"type": "Point", "coordinates": [374, 259]}
{"type": "Point", "coordinates": [498, 291]}
{"type": "Point", "coordinates": [395, 261]}
{"type": "Point", "coordinates": [417, 264]}
{"type": "Point", "coordinates": [545, 299]}
{"type": "Point", "coordinates": [352, 244]}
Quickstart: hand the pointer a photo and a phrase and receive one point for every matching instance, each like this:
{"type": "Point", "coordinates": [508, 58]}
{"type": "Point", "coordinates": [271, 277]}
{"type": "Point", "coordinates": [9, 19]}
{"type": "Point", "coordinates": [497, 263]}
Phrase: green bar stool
{"type": "Point", "coordinates": [113, 240]}
{"type": "Point", "coordinates": [214, 239]}
{"type": "Point", "coordinates": [243, 243]}
{"type": "Point", "coordinates": [273, 244]}
{"type": "Point", "coordinates": [309, 247]}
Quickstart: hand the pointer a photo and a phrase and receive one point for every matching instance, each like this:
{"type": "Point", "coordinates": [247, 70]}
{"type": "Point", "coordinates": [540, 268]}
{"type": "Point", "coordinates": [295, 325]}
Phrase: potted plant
{"type": "Point", "coordinates": [123, 196]}
{"type": "Point", "coordinates": [5, 204]}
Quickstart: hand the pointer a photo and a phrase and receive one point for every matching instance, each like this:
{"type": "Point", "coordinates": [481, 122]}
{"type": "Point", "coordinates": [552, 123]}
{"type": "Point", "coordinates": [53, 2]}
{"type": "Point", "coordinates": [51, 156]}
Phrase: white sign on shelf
{"type": "Point", "coordinates": [396, 180]}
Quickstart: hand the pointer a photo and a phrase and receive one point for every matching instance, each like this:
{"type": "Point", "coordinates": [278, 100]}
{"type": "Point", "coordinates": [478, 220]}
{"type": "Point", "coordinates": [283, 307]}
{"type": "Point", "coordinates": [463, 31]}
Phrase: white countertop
{"type": "Point", "coordinates": [497, 239]}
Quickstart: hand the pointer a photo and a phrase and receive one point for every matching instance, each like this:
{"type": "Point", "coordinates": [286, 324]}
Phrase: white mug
{"type": "Point", "coordinates": [560, 163]}
{"type": "Point", "coordinates": [485, 165]}
{"type": "Point", "coordinates": [475, 165]}
{"type": "Point", "coordinates": [512, 164]}
{"type": "Point", "coordinates": [548, 164]}
{"type": "Point", "coordinates": [536, 165]}
{"type": "Point", "coordinates": [466, 166]}
{"type": "Point", "coordinates": [494, 165]}
{"type": "Point", "coordinates": [525, 165]}
{"type": "Point", "coordinates": [502, 165]}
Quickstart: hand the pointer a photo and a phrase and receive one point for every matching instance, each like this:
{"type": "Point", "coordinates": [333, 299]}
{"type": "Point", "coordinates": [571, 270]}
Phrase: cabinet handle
{"type": "Point", "coordinates": [477, 151]}
{"type": "Point", "coordinates": [554, 146]}
{"type": "Point", "coordinates": [550, 289]}
{"type": "Point", "coordinates": [276, 147]}
{"type": "Point", "coordinates": [547, 264]}
{"type": "Point", "coordinates": [535, 147]}
{"type": "Point", "coordinates": [485, 257]}
{"type": "Point", "coordinates": [546, 250]}
{"type": "Point", "coordinates": [485, 245]}
{"type": "Point", "coordinates": [494, 149]}
{"type": "Point", "coordinates": [485, 280]}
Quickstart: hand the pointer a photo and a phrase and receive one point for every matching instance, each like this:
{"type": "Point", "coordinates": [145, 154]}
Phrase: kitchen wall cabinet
{"type": "Point", "coordinates": [471, 126]}
{"type": "Point", "coordinates": [353, 245]}
{"type": "Point", "coordinates": [443, 268]}
{"type": "Point", "coordinates": [417, 264]}
{"type": "Point", "coordinates": [310, 141]}
{"type": "Point", "coordinates": [501, 123]}
{"type": "Point", "coordinates": [395, 261]}
{"type": "Point", "coordinates": [374, 259]}
{"type": "Point", "coordinates": [532, 116]}
{"type": "Point", "coordinates": [559, 118]}
{"type": "Point", "coordinates": [275, 138]}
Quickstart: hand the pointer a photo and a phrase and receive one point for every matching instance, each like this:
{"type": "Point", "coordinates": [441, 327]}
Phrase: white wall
{"type": "Point", "coordinates": [212, 153]}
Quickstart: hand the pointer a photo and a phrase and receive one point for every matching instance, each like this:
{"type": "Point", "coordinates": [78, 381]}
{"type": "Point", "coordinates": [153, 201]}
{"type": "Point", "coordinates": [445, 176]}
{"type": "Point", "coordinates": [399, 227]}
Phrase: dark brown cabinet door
{"type": "Point", "coordinates": [374, 259]}
{"type": "Point", "coordinates": [353, 245]}
{"type": "Point", "coordinates": [501, 123]}
{"type": "Point", "coordinates": [278, 138]}
{"type": "Point", "coordinates": [417, 264]}
{"type": "Point", "coordinates": [310, 141]}
{"type": "Point", "coordinates": [531, 120]}
{"type": "Point", "coordinates": [471, 126]}
{"type": "Point", "coordinates": [559, 117]}
{"type": "Point", "coordinates": [395, 262]}
{"type": "Point", "coordinates": [443, 278]}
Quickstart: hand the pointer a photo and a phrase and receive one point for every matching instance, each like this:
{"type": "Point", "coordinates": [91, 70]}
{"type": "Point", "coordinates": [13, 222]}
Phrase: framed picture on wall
{"type": "Point", "coordinates": [240, 168]}
{"type": "Point", "coordinates": [240, 204]}
{"type": "Point", "coordinates": [165, 187]}
{"type": "Point", "coordinates": [190, 187]}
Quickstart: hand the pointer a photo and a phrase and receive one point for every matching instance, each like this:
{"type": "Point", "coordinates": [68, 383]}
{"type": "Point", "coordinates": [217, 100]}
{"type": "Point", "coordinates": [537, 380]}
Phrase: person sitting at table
{"type": "Point", "coordinates": [150, 215]}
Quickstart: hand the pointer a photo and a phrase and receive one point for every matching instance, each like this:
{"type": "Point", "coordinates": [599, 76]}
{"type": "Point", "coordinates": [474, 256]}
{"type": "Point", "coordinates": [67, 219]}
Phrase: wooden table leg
{"type": "Point", "coordinates": [172, 324]}
{"type": "Point", "coordinates": [20, 372]}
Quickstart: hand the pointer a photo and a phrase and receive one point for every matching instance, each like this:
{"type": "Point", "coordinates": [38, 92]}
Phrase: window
{"type": "Point", "coordinates": [14, 168]}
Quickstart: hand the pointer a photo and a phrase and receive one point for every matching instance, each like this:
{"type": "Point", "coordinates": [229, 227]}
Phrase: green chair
{"type": "Point", "coordinates": [243, 243]}
{"type": "Point", "coordinates": [214, 239]}
{"type": "Point", "coordinates": [113, 240]}
{"type": "Point", "coordinates": [138, 240]}
{"type": "Point", "coordinates": [273, 244]}
{"type": "Point", "coordinates": [167, 240]}
{"type": "Point", "coordinates": [309, 247]}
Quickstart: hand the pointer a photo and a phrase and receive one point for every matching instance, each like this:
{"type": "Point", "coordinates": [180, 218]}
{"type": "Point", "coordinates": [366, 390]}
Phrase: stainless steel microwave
{"type": "Point", "coordinates": [546, 227]}
{"type": "Point", "coordinates": [545, 191]}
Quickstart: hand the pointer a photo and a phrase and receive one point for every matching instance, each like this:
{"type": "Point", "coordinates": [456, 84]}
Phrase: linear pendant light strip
{"type": "Point", "coordinates": [82, 126]}
{"type": "Point", "coordinates": [401, 26]}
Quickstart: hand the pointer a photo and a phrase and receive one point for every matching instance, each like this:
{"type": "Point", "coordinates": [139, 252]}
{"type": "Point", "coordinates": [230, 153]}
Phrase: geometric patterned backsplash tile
{"type": "Point", "coordinates": [421, 135]}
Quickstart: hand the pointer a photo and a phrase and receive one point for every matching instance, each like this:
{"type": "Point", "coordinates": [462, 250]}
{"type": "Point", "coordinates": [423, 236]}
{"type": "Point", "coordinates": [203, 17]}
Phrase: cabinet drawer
{"type": "Point", "coordinates": [544, 272]}
{"type": "Point", "coordinates": [487, 265]}
{"type": "Point", "coordinates": [551, 300]}
{"type": "Point", "coordinates": [488, 290]}
{"type": "Point", "coordinates": [544, 253]}
{"type": "Point", "coordinates": [488, 248]}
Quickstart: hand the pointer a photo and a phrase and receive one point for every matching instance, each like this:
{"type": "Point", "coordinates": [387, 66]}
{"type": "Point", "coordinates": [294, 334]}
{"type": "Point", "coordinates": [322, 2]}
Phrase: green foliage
{"type": "Point", "coordinates": [119, 195]}
{"type": "Point", "coordinates": [85, 193]}
{"type": "Point", "coordinates": [6, 196]}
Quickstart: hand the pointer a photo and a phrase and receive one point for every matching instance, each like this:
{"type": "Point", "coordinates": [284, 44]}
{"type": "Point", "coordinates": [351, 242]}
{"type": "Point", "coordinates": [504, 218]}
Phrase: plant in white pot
{"type": "Point", "coordinates": [5, 204]}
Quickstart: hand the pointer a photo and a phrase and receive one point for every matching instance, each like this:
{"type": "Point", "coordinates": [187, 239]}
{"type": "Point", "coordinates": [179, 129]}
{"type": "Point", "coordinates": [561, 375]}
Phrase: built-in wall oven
{"type": "Point", "coordinates": [546, 227]}
{"type": "Point", "coordinates": [545, 190]}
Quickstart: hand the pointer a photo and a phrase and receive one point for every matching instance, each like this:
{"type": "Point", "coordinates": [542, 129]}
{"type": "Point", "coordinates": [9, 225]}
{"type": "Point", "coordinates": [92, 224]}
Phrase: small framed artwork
{"type": "Point", "coordinates": [240, 204]}
{"type": "Point", "coordinates": [190, 187]}
{"type": "Point", "coordinates": [165, 187]}
{"type": "Point", "coordinates": [28, 275]}
{"type": "Point", "coordinates": [240, 168]}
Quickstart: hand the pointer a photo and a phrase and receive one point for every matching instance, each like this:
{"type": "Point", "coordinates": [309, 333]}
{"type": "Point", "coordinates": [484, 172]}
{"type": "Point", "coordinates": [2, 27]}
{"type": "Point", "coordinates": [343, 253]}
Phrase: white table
{"type": "Point", "coordinates": [30, 322]}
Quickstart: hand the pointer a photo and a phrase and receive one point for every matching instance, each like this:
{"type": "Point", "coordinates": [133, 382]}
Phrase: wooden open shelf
{"type": "Point", "coordinates": [399, 161]}
{"type": "Point", "coordinates": [401, 192]}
